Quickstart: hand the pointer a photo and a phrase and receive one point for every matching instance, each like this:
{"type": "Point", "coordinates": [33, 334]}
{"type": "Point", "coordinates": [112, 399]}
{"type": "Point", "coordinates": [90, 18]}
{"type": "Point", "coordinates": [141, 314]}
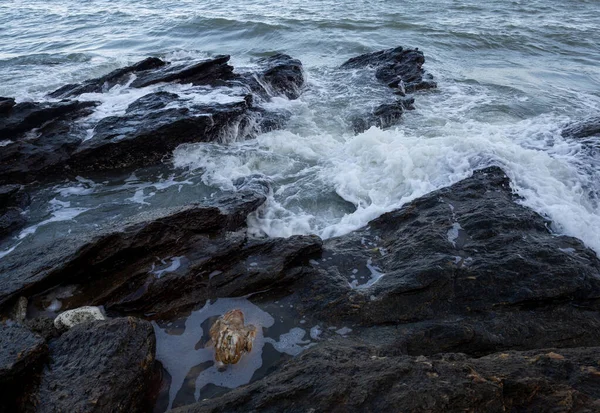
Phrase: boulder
{"type": "Point", "coordinates": [583, 129]}
{"type": "Point", "coordinates": [43, 136]}
{"type": "Point", "coordinates": [342, 377]}
{"type": "Point", "coordinates": [399, 68]}
{"type": "Point", "coordinates": [104, 83]}
{"type": "Point", "coordinates": [101, 366]}
{"type": "Point", "coordinates": [464, 268]}
{"type": "Point", "coordinates": [6, 104]}
{"type": "Point", "coordinates": [384, 116]}
{"type": "Point", "coordinates": [20, 351]}
{"type": "Point", "coordinates": [277, 75]}
{"type": "Point", "coordinates": [214, 72]}
{"type": "Point", "coordinates": [71, 318]}
{"type": "Point", "coordinates": [46, 143]}
{"type": "Point", "coordinates": [21, 356]}
{"type": "Point", "coordinates": [149, 131]}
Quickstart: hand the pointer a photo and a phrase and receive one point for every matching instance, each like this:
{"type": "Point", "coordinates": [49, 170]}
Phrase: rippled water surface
{"type": "Point", "coordinates": [510, 75]}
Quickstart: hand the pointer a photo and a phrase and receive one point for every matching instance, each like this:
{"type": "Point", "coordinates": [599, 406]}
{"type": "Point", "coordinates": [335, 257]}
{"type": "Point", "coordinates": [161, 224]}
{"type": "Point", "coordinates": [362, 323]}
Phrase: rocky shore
{"type": "Point", "coordinates": [462, 300]}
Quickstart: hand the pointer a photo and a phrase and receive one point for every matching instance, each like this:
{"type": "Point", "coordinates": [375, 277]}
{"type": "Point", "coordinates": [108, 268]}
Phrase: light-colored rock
{"type": "Point", "coordinates": [76, 316]}
{"type": "Point", "coordinates": [231, 337]}
{"type": "Point", "coordinates": [20, 309]}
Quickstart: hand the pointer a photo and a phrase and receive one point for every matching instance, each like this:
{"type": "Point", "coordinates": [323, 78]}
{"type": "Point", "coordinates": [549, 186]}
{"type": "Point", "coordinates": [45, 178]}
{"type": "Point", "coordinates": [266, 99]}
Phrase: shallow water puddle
{"type": "Point", "coordinates": [182, 348]}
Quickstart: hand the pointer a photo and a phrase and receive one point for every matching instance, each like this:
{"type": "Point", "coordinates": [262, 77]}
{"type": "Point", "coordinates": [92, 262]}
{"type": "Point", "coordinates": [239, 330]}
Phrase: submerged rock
{"type": "Point", "coordinates": [231, 338]}
{"type": "Point", "coordinates": [384, 116]}
{"type": "Point", "coordinates": [583, 129]}
{"type": "Point", "coordinates": [71, 318]}
{"type": "Point", "coordinates": [355, 378]}
{"type": "Point", "coordinates": [399, 68]}
{"type": "Point", "coordinates": [102, 366]}
{"type": "Point", "coordinates": [122, 251]}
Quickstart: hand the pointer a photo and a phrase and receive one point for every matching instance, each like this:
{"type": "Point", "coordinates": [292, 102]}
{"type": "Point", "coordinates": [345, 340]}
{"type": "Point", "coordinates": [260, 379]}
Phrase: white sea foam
{"type": "Point", "coordinates": [381, 170]}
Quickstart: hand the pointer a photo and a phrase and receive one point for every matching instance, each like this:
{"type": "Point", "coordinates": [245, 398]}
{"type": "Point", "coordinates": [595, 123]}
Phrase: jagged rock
{"type": "Point", "coordinates": [119, 252]}
{"type": "Point", "coordinates": [152, 126]}
{"type": "Point", "coordinates": [149, 131]}
{"type": "Point", "coordinates": [214, 72]}
{"type": "Point", "coordinates": [464, 268]}
{"type": "Point", "coordinates": [353, 378]}
{"type": "Point", "coordinates": [384, 116]}
{"type": "Point", "coordinates": [104, 83]}
{"type": "Point", "coordinates": [20, 350]}
{"type": "Point", "coordinates": [13, 199]}
{"type": "Point", "coordinates": [71, 318]}
{"type": "Point", "coordinates": [583, 129]}
{"type": "Point", "coordinates": [21, 355]}
{"type": "Point", "coordinates": [53, 137]}
{"type": "Point", "coordinates": [281, 75]}
{"type": "Point", "coordinates": [398, 68]}
{"type": "Point", "coordinates": [101, 366]}
{"type": "Point", "coordinates": [6, 104]}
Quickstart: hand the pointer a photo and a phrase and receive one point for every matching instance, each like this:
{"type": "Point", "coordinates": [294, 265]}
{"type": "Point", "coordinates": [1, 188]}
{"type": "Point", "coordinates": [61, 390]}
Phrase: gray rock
{"type": "Point", "coordinates": [102, 366]}
{"type": "Point", "coordinates": [71, 318]}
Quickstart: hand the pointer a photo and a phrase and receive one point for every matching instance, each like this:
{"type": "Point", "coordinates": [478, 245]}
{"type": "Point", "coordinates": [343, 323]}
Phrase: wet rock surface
{"type": "Point", "coordinates": [104, 83]}
{"type": "Point", "coordinates": [465, 268]}
{"type": "Point", "coordinates": [13, 201]}
{"type": "Point", "coordinates": [52, 140]}
{"type": "Point", "coordinates": [124, 249]}
{"type": "Point", "coordinates": [401, 70]}
{"type": "Point", "coordinates": [42, 136]}
{"type": "Point", "coordinates": [100, 366]}
{"type": "Point", "coordinates": [340, 377]}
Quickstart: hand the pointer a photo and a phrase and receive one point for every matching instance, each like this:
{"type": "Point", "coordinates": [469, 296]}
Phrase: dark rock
{"type": "Point", "coordinates": [13, 199]}
{"type": "Point", "coordinates": [30, 115]}
{"type": "Point", "coordinates": [6, 104]}
{"type": "Point", "coordinates": [43, 136]}
{"type": "Point", "coordinates": [43, 326]}
{"type": "Point", "coordinates": [465, 269]}
{"type": "Point", "coordinates": [21, 356]}
{"type": "Point", "coordinates": [212, 72]}
{"type": "Point", "coordinates": [13, 196]}
{"type": "Point", "coordinates": [398, 68]}
{"type": "Point", "coordinates": [11, 219]}
{"type": "Point", "coordinates": [148, 132]}
{"type": "Point", "coordinates": [338, 377]}
{"type": "Point", "coordinates": [103, 366]}
{"type": "Point", "coordinates": [282, 74]}
{"type": "Point", "coordinates": [152, 127]}
{"type": "Point", "coordinates": [104, 83]}
{"type": "Point", "coordinates": [121, 250]}
{"type": "Point", "coordinates": [583, 129]}
{"type": "Point", "coordinates": [384, 116]}
{"type": "Point", "coordinates": [20, 351]}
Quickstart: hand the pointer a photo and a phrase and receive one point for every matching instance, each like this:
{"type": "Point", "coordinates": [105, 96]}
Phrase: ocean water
{"type": "Point", "coordinates": [510, 75]}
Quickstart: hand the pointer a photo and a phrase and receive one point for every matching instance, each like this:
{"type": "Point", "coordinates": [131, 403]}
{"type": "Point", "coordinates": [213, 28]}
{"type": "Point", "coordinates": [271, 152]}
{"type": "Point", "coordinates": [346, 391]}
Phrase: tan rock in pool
{"type": "Point", "coordinates": [231, 338]}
